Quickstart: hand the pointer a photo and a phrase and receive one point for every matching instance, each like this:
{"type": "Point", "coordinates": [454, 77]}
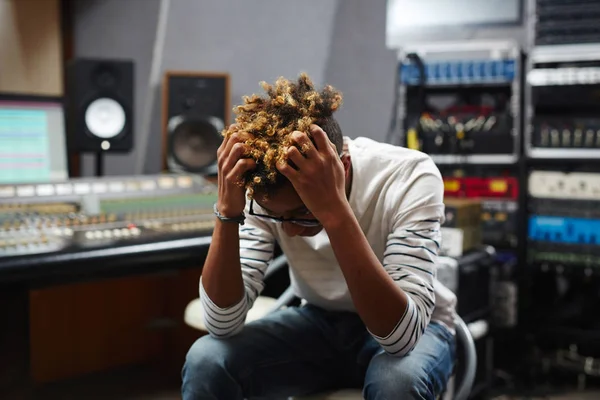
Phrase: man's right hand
{"type": "Point", "coordinates": [231, 169]}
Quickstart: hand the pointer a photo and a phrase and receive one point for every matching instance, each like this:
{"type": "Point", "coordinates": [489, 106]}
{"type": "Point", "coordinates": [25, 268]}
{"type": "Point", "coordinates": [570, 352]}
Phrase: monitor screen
{"type": "Point", "coordinates": [32, 139]}
{"type": "Point", "coordinates": [420, 15]}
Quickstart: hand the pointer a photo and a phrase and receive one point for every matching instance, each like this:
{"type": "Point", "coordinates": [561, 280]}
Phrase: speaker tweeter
{"type": "Point", "coordinates": [100, 95]}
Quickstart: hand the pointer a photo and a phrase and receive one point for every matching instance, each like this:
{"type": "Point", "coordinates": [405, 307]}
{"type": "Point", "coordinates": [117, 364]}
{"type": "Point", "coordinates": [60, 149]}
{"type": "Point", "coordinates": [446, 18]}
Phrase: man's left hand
{"type": "Point", "coordinates": [319, 174]}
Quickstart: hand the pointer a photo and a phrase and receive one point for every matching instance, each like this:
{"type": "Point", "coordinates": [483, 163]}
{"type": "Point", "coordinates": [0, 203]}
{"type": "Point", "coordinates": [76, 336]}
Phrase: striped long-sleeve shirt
{"type": "Point", "coordinates": [397, 198]}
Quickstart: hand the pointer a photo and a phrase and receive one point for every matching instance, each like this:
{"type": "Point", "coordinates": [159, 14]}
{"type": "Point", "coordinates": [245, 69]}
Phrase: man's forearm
{"type": "Point", "coordinates": [378, 301]}
{"type": "Point", "coordinates": [222, 273]}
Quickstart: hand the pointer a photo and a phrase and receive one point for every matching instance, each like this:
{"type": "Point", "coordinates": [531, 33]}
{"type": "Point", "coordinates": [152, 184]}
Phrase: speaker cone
{"type": "Point", "coordinates": [105, 118]}
{"type": "Point", "coordinates": [193, 143]}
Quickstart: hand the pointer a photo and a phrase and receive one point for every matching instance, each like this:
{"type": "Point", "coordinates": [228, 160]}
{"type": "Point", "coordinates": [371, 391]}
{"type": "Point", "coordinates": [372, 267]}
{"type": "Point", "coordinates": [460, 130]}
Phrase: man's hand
{"type": "Point", "coordinates": [231, 169]}
{"type": "Point", "coordinates": [319, 174]}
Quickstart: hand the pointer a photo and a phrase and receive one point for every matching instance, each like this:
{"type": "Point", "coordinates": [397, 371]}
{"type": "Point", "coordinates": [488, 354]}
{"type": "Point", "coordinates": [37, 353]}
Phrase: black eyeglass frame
{"type": "Point", "coordinates": [308, 223]}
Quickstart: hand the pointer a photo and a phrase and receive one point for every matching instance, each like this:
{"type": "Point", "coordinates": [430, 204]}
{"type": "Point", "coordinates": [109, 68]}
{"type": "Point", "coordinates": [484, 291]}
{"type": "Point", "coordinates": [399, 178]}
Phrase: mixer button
{"type": "Point", "coordinates": [116, 233]}
{"type": "Point", "coordinates": [98, 234]}
{"type": "Point", "coordinates": [68, 232]}
{"type": "Point", "coordinates": [125, 232]}
{"type": "Point", "coordinates": [107, 234]}
{"type": "Point", "coordinates": [89, 235]}
{"type": "Point", "coordinates": [135, 231]}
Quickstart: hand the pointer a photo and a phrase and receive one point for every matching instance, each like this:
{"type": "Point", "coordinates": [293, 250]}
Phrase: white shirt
{"type": "Point", "coordinates": [397, 198]}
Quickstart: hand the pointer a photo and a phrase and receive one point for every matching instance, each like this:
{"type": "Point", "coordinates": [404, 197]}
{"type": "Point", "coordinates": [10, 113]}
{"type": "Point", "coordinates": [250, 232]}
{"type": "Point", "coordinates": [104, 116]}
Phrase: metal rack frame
{"type": "Point", "coordinates": [490, 49]}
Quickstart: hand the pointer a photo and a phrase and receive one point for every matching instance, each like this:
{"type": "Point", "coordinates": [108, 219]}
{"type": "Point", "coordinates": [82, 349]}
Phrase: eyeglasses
{"type": "Point", "coordinates": [309, 223]}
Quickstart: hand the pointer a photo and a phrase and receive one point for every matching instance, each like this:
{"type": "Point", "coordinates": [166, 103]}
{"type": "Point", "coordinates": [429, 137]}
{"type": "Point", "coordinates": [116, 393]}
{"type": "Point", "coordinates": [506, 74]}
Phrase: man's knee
{"type": "Point", "coordinates": [208, 364]}
{"type": "Point", "coordinates": [391, 382]}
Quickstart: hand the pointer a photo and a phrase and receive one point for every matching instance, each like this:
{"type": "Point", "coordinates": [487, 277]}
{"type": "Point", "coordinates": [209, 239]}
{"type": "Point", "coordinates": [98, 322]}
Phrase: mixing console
{"type": "Point", "coordinates": [84, 214]}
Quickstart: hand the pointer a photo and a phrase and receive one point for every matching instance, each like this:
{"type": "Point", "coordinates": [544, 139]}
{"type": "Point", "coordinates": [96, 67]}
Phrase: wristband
{"type": "Point", "coordinates": [238, 220]}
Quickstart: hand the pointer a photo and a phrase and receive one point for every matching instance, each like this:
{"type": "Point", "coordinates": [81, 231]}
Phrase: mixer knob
{"type": "Point", "coordinates": [589, 138]}
{"type": "Point", "coordinates": [545, 137]}
{"type": "Point", "coordinates": [68, 232]}
{"type": "Point", "coordinates": [89, 235]}
{"type": "Point", "coordinates": [102, 218]}
{"type": "Point", "coordinates": [135, 231]}
{"type": "Point", "coordinates": [97, 234]}
{"type": "Point", "coordinates": [566, 138]}
{"type": "Point", "coordinates": [112, 217]}
{"type": "Point", "coordinates": [116, 233]}
{"type": "Point", "coordinates": [107, 234]}
{"type": "Point", "coordinates": [577, 139]}
{"type": "Point", "coordinates": [125, 232]}
{"type": "Point", "coordinates": [554, 138]}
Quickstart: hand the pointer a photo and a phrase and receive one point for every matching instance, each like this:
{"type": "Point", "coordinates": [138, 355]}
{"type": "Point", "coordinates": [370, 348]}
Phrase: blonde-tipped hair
{"type": "Point", "coordinates": [270, 119]}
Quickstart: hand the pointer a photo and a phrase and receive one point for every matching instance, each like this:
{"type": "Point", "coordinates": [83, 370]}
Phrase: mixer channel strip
{"type": "Point", "coordinates": [85, 214]}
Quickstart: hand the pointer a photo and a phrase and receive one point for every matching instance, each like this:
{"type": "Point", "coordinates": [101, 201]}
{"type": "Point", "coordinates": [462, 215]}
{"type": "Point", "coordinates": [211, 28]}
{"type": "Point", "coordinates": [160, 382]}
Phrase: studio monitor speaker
{"type": "Point", "coordinates": [100, 105]}
{"type": "Point", "coordinates": [195, 111]}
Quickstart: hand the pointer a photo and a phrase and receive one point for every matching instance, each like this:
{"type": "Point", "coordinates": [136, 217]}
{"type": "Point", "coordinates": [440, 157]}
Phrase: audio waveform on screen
{"type": "Point", "coordinates": [23, 145]}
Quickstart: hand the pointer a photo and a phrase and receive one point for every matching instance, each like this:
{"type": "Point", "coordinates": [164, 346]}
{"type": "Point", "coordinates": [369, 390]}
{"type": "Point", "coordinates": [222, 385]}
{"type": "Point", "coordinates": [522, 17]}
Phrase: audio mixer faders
{"type": "Point", "coordinates": [88, 213]}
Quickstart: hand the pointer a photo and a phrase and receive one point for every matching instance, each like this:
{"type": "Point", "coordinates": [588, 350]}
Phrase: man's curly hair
{"type": "Point", "coordinates": [287, 107]}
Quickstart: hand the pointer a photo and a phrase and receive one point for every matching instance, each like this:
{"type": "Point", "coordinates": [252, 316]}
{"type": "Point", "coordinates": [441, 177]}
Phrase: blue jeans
{"type": "Point", "coordinates": [305, 350]}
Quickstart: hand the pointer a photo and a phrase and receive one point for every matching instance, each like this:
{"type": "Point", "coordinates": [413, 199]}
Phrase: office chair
{"type": "Point", "coordinates": [467, 365]}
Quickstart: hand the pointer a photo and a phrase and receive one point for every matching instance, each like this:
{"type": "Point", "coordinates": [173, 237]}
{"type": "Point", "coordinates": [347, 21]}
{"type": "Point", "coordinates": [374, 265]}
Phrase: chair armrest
{"type": "Point", "coordinates": [284, 300]}
{"type": "Point", "coordinates": [276, 265]}
{"type": "Point", "coordinates": [463, 336]}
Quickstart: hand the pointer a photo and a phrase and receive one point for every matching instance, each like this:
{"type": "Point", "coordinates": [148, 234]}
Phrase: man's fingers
{"type": "Point", "coordinates": [231, 158]}
{"type": "Point", "coordinates": [236, 137]}
{"type": "Point", "coordinates": [224, 156]}
{"type": "Point", "coordinates": [241, 167]}
{"type": "Point", "coordinates": [305, 144]}
{"type": "Point", "coordinates": [287, 170]}
{"type": "Point", "coordinates": [231, 129]}
{"type": "Point", "coordinates": [296, 157]}
{"type": "Point", "coordinates": [320, 137]}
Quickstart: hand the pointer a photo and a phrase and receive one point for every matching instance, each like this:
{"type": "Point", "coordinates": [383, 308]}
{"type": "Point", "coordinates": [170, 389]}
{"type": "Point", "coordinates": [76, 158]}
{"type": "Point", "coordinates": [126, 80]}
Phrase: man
{"type": "Point", "coordinates": [361, 230]}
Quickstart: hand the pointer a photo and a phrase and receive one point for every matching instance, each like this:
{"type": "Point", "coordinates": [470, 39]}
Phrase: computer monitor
{"type": "Point", "coordinates": [32, 139]}
{"type": "Point", "coordinates": [427, 21]}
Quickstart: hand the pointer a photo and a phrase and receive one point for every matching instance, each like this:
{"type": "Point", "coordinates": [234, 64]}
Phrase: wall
{"type": "Point", "coordinates": [362, 68]}
{"type": "Point", "coordinates": [30, 47]}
